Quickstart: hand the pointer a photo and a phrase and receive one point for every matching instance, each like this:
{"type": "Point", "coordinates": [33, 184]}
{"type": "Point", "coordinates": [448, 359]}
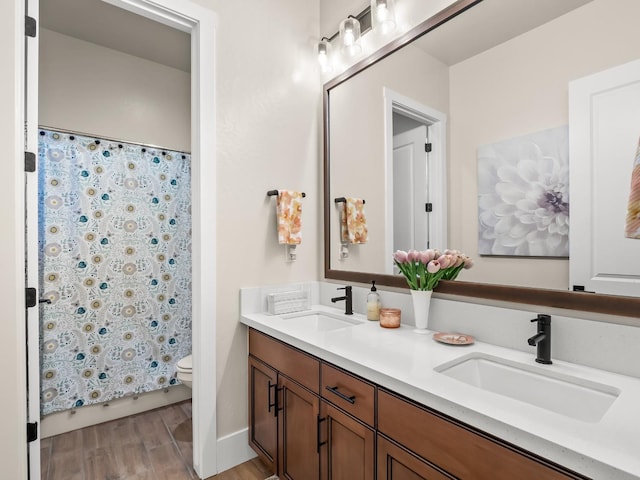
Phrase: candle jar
{"type": "Point", "coordinates": [390, 317]}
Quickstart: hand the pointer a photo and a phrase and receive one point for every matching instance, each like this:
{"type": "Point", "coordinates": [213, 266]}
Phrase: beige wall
{"type": "Point", "coordinates": [90, 89]}
{"type": "Point", "coordinates": [13, 450]}
{"type": "Point", "coordinates": [268, 104]}
{"type": "Point", "coordinates": [521, 87]}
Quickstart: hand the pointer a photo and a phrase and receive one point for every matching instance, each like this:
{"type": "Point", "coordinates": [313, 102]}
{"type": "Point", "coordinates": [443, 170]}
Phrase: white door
{"type": "Point", "coordinates": [604, 130]}
{"type": "Point", "coordinates": [410, 190]}
{"type": "Point", "coordinates": [31, 238]}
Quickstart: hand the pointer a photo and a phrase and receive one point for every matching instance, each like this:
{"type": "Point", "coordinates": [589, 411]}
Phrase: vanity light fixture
{"type": "Point", "coordinates": [350, 36]}
{"type": "Point", "coordinates": [383, 16]}
{"type": "Point", "coordinates": [324, 52]}
{"type": "Point", "coordinates": [351, 30]}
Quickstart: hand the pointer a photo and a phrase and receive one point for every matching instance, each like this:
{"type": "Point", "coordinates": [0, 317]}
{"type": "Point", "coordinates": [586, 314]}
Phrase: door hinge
{"type": "Point", "coordinates": [427, 147]}
{"type": "Point", "coordinates": [32, 432]}
{"type": "Point", "coordinates": [31, 295]}
{"type": "Point", "coordinates": [428, 207]}
{"type": "Point", "coordinates": [29, 162]}
{"type": "Point", "coordinates": [30, 26]}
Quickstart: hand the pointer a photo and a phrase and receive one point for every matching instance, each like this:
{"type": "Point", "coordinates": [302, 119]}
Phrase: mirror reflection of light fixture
{"type": "Point", "coordinates": [350, 36]}
{"type": "Point", "coordinates": [383, 16]}
{"type": "Point", "coordinates": [324, 52]}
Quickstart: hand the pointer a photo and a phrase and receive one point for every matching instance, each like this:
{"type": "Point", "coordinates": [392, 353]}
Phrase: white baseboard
{"type": "Point", "coordinates": [234, 449]}
{"type": "Point", "coordinates": [66, 421]}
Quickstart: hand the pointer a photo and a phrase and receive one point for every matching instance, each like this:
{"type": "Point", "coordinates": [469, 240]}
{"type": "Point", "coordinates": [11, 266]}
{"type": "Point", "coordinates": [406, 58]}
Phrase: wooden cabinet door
{"type": "Point", "coordinates": [347, 447]}
{"type": "Point", "coordinates": [396, 463]}
{"type": "Point", "coordinates": [461, 451]}
{"type": "Point", "coordinates": [263, 420]}
{"type": "Point", "coordinates": [299, 429]}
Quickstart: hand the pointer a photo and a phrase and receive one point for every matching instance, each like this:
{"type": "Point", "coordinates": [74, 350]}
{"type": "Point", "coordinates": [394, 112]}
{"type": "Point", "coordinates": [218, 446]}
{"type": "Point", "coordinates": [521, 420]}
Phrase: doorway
{"type": "Point", "coordinates": [199, 23]}
{"type": "Point", "coordinates": [415, 172]}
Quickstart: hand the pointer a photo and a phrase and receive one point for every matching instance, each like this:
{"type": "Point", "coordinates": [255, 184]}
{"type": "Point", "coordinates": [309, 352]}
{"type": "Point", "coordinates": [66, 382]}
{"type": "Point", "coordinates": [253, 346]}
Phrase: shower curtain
{"type": "Point", "coordinates": [115, 264]}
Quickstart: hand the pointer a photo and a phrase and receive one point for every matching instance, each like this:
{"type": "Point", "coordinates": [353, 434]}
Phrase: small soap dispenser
{"type": "Point", "coordinates": [373, 303]}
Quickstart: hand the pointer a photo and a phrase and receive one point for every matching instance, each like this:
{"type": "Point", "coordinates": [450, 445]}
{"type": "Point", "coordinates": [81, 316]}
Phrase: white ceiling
{"type": "Point", "coordinates": [484, 26]}
{"type": "Point", "coordinates": [98, 22]}
{"type": "Point", "coordinates": [490, 23]}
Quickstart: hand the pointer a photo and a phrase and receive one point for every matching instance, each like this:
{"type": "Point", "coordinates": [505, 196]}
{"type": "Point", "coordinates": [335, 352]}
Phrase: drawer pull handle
{"type": "Point", "coordinates": [278, 400]}
{"type": "Point", "coordinates": [351, 399]}
{"type": "Point", "coordinates": [318, 442]}
{"type": "Point", "coordinates": [275, 397]}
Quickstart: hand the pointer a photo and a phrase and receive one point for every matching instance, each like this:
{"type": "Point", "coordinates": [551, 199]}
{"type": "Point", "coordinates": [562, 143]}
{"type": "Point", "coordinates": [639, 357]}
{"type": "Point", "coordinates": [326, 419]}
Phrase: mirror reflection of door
{"type": "Point", "coordinates": [410, 185]}
{"type": "Point", "coordinates": [415, 177]}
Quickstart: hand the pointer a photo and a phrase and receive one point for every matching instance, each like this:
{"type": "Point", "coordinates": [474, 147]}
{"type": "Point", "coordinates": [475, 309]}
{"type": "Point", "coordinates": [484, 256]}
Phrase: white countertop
{"type": "Point", "coordinates": [403, 361]}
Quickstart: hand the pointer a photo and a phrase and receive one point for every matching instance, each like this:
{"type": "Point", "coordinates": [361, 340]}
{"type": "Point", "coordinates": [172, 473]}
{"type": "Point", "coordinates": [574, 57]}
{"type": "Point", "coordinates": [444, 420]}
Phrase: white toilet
{"type": "Point", "coordinates": [185, 370]}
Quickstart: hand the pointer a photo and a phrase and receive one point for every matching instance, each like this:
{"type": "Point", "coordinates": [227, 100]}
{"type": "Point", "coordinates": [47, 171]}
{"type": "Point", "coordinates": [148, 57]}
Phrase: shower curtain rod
{"type": "Point", "coordinates": [110, 139]}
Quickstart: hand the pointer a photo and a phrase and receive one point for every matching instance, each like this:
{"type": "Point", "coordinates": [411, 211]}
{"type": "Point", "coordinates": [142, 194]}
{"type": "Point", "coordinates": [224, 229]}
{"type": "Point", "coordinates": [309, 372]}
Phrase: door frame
{"type": "Point", "coordinates": [201, 24]}
{"type": "Point", "coordinates": [436, 166]}
{"type": "Point", "coordinates": [32, 323]}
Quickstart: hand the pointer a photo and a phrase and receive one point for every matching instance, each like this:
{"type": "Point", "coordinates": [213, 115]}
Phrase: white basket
{"type": "Point", "coordinates": [288, 302]}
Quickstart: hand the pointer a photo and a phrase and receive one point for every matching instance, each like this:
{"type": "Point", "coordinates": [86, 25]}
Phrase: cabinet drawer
{"type": "Point", "coordinates": [293, 363]}
{"type": "Point", "coordinates": [351, 394]}
{"type": "Point", "coordinates": [456, 448]}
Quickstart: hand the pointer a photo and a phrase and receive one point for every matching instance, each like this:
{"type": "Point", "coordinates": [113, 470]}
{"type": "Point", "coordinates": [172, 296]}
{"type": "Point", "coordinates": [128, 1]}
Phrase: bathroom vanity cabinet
{"type": "Point", "coordinates": [299, 432]}
{"type": "Point", "coordinates": [347, 444]}
{"type": "Point", "coordinates": [263, 420]}
{"type": "Point", "coordinates": [284, 407]}
{"type": "Point", "coordinates": [310, 420]}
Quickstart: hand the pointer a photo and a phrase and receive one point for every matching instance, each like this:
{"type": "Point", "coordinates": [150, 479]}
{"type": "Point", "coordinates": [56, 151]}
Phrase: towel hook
{"type": "Point", "coordinates": [274, 193]}
{"type": "Point", "coordinates": [344, 200]}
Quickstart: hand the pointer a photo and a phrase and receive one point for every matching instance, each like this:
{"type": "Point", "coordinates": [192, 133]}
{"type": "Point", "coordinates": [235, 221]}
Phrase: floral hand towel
{"type": "Point", "coordinates": [633, 210]}
{"type": "Point", "coordinates": [289, 213]}
{"type": "Point", "coordinates": [353, 223]}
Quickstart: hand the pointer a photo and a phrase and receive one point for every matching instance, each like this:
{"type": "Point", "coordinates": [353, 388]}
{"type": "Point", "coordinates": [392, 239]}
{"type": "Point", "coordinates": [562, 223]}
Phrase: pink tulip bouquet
{"type": "Point", "coordinates": [423, 270]}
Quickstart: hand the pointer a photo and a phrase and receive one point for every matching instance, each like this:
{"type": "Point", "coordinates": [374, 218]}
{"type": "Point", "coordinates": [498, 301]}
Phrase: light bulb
{"type": "Point", "coordinates": [383, 16]}
{"type": "Point", "coordinates": [350, 35]}
{"type": "Point", "coordinates": [382, 12]}
{"type": "Point", "coordinates": [324, 51]}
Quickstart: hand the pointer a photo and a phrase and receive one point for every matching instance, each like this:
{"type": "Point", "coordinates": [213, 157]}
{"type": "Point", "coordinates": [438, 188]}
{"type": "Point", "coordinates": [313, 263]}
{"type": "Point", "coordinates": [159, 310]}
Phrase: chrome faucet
{"type": "Point", "coordinates": [542, 339]}
{"type": "Point", "coordinates": [348, 300]}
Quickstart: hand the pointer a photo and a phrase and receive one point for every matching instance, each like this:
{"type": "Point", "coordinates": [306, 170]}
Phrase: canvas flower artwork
{"type": "Point", "coordinates": [523, 195]}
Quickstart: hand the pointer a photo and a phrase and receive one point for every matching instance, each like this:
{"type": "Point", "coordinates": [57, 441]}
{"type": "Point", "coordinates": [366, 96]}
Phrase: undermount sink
{"type": "Point", "coordinates": [319, 321]}
{"type": "Point", "coordinates": [567, 395]}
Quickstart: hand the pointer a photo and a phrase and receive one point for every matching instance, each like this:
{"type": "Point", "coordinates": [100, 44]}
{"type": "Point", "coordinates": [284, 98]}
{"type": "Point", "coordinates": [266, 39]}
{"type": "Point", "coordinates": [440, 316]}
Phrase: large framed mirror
{"type": "Point", "coordinates": [476, 73]}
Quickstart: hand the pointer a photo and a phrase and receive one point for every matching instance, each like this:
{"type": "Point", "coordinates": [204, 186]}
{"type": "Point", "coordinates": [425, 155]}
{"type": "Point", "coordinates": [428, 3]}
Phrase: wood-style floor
{"type": "Point", "coordinates": [154, 445]}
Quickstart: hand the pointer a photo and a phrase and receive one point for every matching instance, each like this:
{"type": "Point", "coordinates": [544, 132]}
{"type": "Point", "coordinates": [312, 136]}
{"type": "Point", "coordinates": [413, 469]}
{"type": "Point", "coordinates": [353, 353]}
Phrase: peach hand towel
{"type": "Point", "coordinates": [289, 213]}
{"type": "Point", "coordinates": [353, 223]}
{"type": "Point", "coordinates": [633, 211]}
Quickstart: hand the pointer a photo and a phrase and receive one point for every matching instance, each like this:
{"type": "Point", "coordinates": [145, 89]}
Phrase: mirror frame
{"type": "Point", "coordinates": [580, 301]}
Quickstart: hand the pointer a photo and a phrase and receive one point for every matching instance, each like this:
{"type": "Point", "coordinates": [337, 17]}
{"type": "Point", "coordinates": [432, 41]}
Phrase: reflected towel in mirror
{"type": "Point", "coordinates": [633, 210]}
{"type": "Point", "coordinates": [289, 216]}
{"type": "Point", "coordinates": [353, 223]}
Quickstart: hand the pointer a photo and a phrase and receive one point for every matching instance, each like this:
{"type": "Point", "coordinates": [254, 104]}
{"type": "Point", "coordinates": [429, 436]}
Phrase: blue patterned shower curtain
{"type": "Point", "coordinates": [115, 262]}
